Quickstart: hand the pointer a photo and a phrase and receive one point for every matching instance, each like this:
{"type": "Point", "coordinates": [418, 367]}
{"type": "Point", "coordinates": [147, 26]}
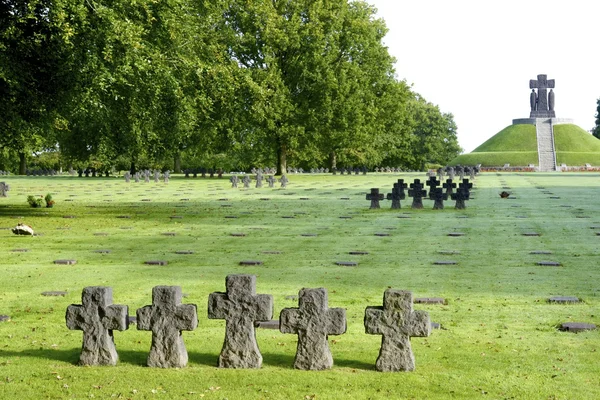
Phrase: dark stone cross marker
{"type": "Point", "coordinates": [417, 192]}
{"type": "Point", "coordinates": [397, 323]}
{"type": "Point", "coordinates": [397, 194]}
{"type": "Point", "coordinates": [432, 182]}
{"type": "Point", "coordinates": [462, 194]}
{"type": "Point", "coordinates": [438, 196]}
{"type": "Point", "coordinates": [166, 318]}
{"type": "Point", "coordinates": [375, 198]}
{"type": "Point", "coordinates": [313, 321]}
{"type": "Point", "coordinates": [97, 317]}
{"type": "Point", "coordinates": [240, 306]}
{"type": "Point", "coordinates": [449, 186]}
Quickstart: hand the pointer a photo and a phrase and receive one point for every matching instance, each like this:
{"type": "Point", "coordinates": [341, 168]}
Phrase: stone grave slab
{"type": "Point", "coordinates": [549, 263]}
{"type": "Point", "coordinates": [577, 327]}
{"type": "Point", "coordinates": [238, 234]}
{"type": "Point", "coordinates": [272, 324]}
{"type": "Point", "coordinates": [102, 251]}
{"type": "Point", "coordinates": [382, 234]}
{"type": "Point", "coordinates": [531, 234]}
{"type": "Point", "coordinates": [169, 233]}
{"type": "Point", "coordinates": [456, 234]}
{"type": "Point", "coordinates": [271, 252]}
{"type": "Point", "coordinates": [54, 293]}
{"type": "Point", "coordinates": [445, 262]}
{"type": "Point", "coordinates": [184, 252]}
{"type": "Point", "coordinates": [347, 263]}
{"type": "Point", "coordinates": [449, 252]}
{"type": "Point", "coordinates": [313, 321]}
{"type": "Point", "coordinates": [430, 300]}
{"type": "Point", "coordinates": [251, 262]}
{"type": "Point", "coordinates": [309, 234]}
{"type": "Point", "coordinates": [166, 317]}
{"type": "Point", "coordinates": [156, 262]}
{"type": "Point", "coordinates": [358, 253]}
{"type": "Point", "coordinates": [240, 307]}
{"type": "Point", "coordinates": [397, 323]}
{"type": "Point", "coordinates": [65, 262]}
{"type": "Point", "coordinates": [540, 252]}
{"type": "Point", "coordinates": [97, 317]}
{"type": "Point", "coordinates": [563, 299]}
{"type": "Point", "coordinates": [20, 250]}
{"type": "Point", "coordinates": [4, 318]}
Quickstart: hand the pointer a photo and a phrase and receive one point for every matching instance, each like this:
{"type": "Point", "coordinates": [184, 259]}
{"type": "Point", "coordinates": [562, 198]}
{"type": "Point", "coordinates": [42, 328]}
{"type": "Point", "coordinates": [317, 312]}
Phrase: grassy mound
{"type": "Point", "coordinates": [517, 145]}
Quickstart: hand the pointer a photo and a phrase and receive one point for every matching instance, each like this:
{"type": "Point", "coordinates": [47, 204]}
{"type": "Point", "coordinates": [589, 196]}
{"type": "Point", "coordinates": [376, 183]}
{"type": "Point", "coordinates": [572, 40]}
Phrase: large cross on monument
{"type": "Point", "coordinates": [313, 321]}
{"type": "Point", "coordinates": [240, 307]}
{"type": "Point", "coordinates": [166, 318]}
{"type": "Point", "coordinates": [542, 102]}
{"type": "Point", "coordinates": [97, 317]}
{"type": "Point", "coordinates": [396, 322]}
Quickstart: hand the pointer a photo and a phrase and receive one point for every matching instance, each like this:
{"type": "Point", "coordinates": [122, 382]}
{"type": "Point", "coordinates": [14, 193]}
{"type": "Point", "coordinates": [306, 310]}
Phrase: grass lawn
{"type": "Point", "coordinates": [499, 336]}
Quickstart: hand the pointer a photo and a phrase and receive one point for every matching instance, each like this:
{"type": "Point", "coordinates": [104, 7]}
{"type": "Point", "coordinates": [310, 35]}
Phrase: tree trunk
{"type": "Point", "coordinates": [177, 163]}
{"type": "Point", "coordinates": [132, 170]}
{"type": "Point", "coordinates": [281, 159]}
{"type": "Point", "coordinates": [22, 163]}
{"type": "Point", "coordinates": [333, 161]}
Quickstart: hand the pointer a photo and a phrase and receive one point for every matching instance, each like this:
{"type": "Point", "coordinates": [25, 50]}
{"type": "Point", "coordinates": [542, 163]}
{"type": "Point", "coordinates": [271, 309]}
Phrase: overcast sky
{"type": "Point", "coordinates": [474, 58]}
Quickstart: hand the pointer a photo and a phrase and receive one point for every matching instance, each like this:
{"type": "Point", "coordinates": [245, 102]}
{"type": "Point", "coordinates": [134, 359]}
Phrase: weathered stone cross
{"type": "Point", "coordinates": [417, 192]}
{"type": "Point", "coordinates": [433, 183]}
{"type": "Point", "coordinates": [166, 318]}
{"type": "Point", "coordinates": [397, 322]}
{"type": "Point", "coordinates": [448, 185]}
{"type": "Point", "coordinates": [313, 321]}
{"type": "Point", "coordinates": [375, 197]}
{"type": "Point", "coordinates": [438, 196]}
{"type": "Point", "coordinates": [240, 307]}
{"type": "Point", "coordinates": [97, 317]}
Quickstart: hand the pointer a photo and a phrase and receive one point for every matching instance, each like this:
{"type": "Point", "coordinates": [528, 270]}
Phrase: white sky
{"type": "Point", "coordinates": [474, 58]}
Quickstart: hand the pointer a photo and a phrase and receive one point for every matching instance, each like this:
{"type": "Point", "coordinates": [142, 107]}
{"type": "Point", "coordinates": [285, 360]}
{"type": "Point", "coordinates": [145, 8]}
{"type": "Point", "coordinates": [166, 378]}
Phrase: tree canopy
{"type": "Point", "coordinates": [213, 83]}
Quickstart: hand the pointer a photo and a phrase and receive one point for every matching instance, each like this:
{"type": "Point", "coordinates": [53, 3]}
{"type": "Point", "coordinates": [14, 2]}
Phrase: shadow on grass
{"type": "Point", "coordinates": [72, 356]}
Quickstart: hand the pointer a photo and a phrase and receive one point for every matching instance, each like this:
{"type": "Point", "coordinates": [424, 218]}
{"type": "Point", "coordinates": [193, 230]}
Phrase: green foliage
{"type": "Point", "coordinates": [35, 201]}
{"type": "Point", "coordinates": [596, 129]}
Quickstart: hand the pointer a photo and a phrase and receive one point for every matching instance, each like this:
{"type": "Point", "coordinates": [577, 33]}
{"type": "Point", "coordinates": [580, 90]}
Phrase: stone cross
{"type": "Point", "coordinates": [375, 197]}
{"type": "Point", "coordinates": [156, 176]}
{"type": "Point", "coordinates": [542, 102]}
{"type": "Point", "coordinates": [97, 317]}
{"type": "Point", "coordinates": [127, 177]}
{"type": "Point", "coordinates": [417, 192]}
{"type": "Point", "coordinates": [397, 194]}
{"type": "Point", "coordinates": [440, 173]}
{"type": "Point", "coordinates": [433, 183]}
{"type": "Point", "coordinates": [136, 177]}
{"type": "Point", "coordinates": [271, 181]}
{"type": "Point", "coordinates": [449, 186]}
{"type": "Point", "coordinates": [166, 318]}
{"type": "Point", "coordinates": [462, 194]}
{"type": "Point", "coordinates": [450, 171]}
{"type": "Point", "coordinates": [397, 323]}
{"type": "Point", "coordinates": [246, 181]}
{"type": "Point", "coordinates": [234, 181]}
{"type": "Point", "coordinates": [240, 306]}
{"type": "Point", "coordinates": [4, 188]}
{"type": "Point", "coordinates": [438, 196]}
{"type": "Point", "coordinates": [313, 321]}
{"type": "Point", "coordinates": [147, 176]}
{"type": "Point", "coordinates": [461, 172]}
{"type": "Point", "coordinates": [284, 181]}
{"type": "Point", "coordinates": [259, 179]}
{"type": "Point", "coordinates": [166, 176]}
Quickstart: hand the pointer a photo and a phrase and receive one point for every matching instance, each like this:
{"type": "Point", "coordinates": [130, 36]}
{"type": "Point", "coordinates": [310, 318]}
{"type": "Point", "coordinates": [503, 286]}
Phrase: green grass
{"type": "Point", "coordinates": [513, 138]}
{"type": "Point", "coordinates": [499, 338]}
{"type": "Point", "coordinates": [571, 138]}
{"type": "Point", "coordinates": [493, 159]}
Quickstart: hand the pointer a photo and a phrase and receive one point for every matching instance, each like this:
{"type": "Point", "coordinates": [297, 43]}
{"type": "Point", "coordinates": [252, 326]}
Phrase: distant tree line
{"type": "Point", "coordinates": [208, 83]}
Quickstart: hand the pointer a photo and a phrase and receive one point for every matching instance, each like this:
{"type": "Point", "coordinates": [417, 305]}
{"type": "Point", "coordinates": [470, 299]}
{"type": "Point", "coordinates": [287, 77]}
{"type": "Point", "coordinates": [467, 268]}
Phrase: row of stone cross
{"type": "Point", "coordinates": [417, 191]}
{"type": "Point", "coordinates": [459, 170]}
{"type": "Point", "coordinates": [242, 308]}
{"type": "Point", "coordinates": [246, 180]}
{"type": "Point", "coordinates": [146, 174]}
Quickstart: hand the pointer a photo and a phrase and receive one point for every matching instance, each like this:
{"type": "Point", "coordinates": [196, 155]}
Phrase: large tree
{"type": "Point", "coordinates": [33, 75]}
{"type": "Point", "coordinates": [596, 129]}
